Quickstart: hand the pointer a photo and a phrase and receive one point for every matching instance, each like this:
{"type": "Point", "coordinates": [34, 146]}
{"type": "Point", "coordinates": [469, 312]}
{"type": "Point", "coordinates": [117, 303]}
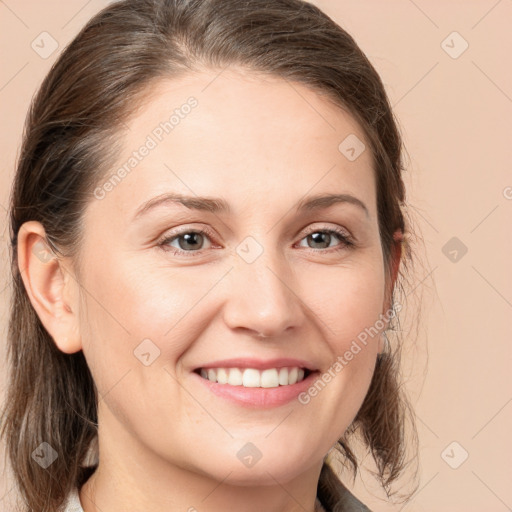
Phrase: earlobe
{"type": "Point", "coordinates": [47, 283]}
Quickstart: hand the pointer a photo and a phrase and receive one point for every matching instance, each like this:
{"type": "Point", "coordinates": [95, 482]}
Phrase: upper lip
{"type": "Point", "coordinates": [260, 364]}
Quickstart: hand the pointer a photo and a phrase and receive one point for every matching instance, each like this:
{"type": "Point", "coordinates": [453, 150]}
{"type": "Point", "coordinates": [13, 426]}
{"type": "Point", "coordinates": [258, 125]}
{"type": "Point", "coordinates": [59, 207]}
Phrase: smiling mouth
{"type": "Point", "coordinates": [254, 378]}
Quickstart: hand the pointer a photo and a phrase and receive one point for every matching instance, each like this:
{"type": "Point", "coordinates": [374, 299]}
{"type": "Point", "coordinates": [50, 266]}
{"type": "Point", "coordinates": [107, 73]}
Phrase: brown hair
{"type": "Point", "coordinates": [70, 142]}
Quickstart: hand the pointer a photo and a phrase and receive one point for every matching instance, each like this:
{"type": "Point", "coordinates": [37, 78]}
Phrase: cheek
{"type": "Point", "coordinates": [140, 300]}
{"type": "Point", "coordinates": [119, 311]}
{"type": "Point", "coordinates": [347, 300]}
{"type": "Point", "coordinates": [130, 303]}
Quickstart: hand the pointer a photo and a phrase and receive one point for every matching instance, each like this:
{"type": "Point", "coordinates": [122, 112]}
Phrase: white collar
{"type": "Point", "coordinates": [73, 502]}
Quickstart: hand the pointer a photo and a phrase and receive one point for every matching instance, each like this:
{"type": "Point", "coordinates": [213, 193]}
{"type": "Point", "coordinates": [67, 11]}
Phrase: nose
{"type": "Point", "coordinates": [263, 299]}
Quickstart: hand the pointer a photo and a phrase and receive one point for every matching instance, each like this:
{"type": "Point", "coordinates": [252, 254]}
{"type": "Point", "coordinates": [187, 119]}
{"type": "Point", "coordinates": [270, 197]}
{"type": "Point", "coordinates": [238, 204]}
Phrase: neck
{"type": "Point", "coordinates": [131, 477]}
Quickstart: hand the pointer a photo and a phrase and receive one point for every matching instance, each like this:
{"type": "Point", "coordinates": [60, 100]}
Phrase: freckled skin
{"type": "Point", "coordinates": [260, 146]}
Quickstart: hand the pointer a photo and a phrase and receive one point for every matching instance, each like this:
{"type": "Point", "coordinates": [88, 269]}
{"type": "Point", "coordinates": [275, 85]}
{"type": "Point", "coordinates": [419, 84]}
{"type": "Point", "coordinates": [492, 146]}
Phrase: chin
{"type": "Point", "coordinates": [267, 470]}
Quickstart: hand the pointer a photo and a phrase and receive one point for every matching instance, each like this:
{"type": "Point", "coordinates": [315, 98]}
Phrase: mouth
{"type": "Point", "coordinates": [256, 383]}
{"type": "Point", "coordinates": [254, 377]}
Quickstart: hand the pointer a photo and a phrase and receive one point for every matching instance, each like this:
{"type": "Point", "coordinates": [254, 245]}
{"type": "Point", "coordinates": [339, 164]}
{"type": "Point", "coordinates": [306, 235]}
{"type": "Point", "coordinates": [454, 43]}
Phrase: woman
{"type": "Point", "coordinates": [207, 227]}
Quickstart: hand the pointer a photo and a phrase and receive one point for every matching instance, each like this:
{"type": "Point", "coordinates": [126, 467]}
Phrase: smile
{"type": "Point", "coordinates": [255, 378]}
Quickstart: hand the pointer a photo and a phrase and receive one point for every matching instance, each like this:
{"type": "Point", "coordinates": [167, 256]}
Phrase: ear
{"type": "Point", "coordinates": [51, 287]}
{"type": "Point", "coordinates": [396, 255]}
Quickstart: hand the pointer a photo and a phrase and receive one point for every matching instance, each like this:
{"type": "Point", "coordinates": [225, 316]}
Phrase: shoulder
{"type": "Point", "coordinates": [72, 503]}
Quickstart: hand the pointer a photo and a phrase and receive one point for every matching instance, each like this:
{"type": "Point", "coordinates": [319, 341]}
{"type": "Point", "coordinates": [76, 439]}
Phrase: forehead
{"type": "Point", "coordinates": [246, 137]}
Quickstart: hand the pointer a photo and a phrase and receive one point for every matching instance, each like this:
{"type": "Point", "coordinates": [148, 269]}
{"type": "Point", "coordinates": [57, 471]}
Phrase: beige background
{"type": "Point", "coordinates": [455, 116]}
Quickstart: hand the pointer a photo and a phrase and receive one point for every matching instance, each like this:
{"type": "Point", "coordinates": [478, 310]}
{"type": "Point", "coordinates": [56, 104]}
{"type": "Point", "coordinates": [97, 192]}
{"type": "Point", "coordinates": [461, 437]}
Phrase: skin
{"type": "Point", "coordinates": [166, 443]}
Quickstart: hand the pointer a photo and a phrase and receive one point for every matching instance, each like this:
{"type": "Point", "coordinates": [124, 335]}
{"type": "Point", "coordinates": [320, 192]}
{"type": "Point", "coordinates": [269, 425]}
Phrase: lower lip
{"type": "Point", "coordinates": [258, 397]}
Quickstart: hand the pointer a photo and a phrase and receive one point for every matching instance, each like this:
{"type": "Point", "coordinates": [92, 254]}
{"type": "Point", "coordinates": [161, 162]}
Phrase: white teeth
{"type": "Point", "coordinates": [222, 376]}
{"type": "Point", "coordinates": [253, 378]}
{"type": "Point", "coordinates": [269, 378]}
{"type": "Point", "coordinates": [234, 377]}
{"type": "Point", "coordinates": [283, 376]}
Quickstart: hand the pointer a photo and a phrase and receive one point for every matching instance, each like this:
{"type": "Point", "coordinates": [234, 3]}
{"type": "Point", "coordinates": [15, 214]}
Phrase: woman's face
{"type": "Point", "coordinates": [269, 286]}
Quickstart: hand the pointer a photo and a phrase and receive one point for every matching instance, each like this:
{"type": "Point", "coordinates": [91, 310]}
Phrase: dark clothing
{"type": "Point", "coordinates": [334, 496]}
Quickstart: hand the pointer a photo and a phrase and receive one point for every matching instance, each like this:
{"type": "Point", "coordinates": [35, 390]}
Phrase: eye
{"type": "Point", "coordinates": [322, 238]}
{"type": "Point", "coordinates": [189, 241]}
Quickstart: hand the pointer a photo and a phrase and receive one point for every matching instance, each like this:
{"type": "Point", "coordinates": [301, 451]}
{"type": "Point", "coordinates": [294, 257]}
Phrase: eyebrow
{"type": "Point", "coordinates": [218, 205]}
{"type": "Point", "coordinates": [325, 200]}
{"type": "Point", "coordinates": [209, 204]}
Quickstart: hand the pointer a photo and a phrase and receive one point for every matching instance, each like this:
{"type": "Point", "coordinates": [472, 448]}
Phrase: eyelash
{"type": "Point", "coordinates": [346, 241]}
